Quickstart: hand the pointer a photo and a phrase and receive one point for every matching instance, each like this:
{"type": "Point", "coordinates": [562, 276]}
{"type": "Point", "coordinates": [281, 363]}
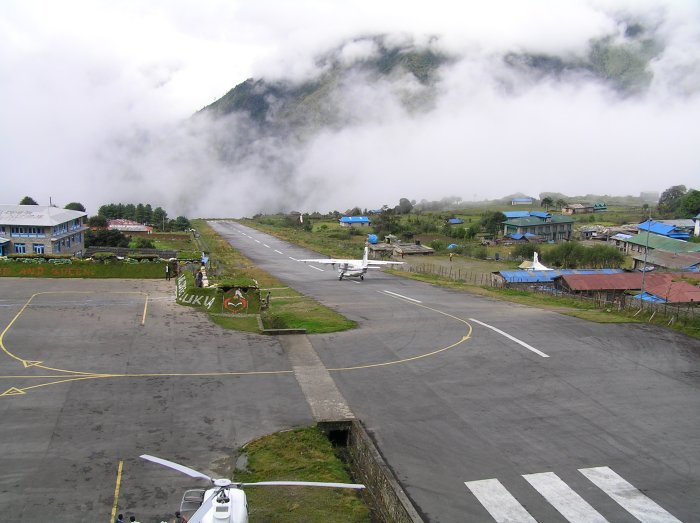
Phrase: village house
{"type": "Point", "coordinates": [549, 227]}
{"type": "Point", "coordinates": [38, 229]}
{"type": "Point", "coordinates": [128, 226]}
{"type": "Point", "coordinates": [354, 221]}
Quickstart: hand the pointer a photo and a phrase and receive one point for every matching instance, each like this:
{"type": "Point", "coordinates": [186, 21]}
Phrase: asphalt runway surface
{"type": "Point", "coordinates": [547, 417]}
{"type": "Point", "coordinates": [499, 412]}
{"type": "Point", "coordinates": [93, 374]}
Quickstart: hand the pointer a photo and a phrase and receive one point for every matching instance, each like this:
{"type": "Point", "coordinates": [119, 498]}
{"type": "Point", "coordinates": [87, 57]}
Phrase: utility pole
{"type": "Point", "coordinates": [644, 268]}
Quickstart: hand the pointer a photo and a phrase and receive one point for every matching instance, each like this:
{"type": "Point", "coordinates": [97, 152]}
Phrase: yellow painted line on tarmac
{"type": "Point", "coordinates": [145, 311]}
{"type": "Point", "coordinates": [38, 364]}
{"type": "Point", "coordinates": [9, 325]}
{"type": "Point", "coordinates": [116, 490]}
{"type": "Point", "coordinates": [420, 356]}
{"type": "Point", "coordinates": [83, 376]}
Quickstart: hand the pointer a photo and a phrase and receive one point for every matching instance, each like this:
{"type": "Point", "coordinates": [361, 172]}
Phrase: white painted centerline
{"type": "Point", "coordinates": [256, 241]}
{"type": "Point", "coordinates": [278, 252]}
{"type": "Point", "coordinates": [401, 296]}
{"type": "Point", "coordinates": [516, 340]}
{"type": "Point", "coordinates": [318, 269]}
{"type": "Point", "coordinates": [628, 497]}
{"type": "Point", "coordinates": [569, 504]}
{"type": "Point", "coordinates": [500, 503]}
{"type": "Point", "coordinates": [266, 245]}
{"type": "Point", "coordinates": [292, 258]}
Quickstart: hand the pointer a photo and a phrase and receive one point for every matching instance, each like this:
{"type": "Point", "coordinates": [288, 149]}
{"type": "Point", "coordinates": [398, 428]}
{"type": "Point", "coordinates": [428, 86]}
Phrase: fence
{"type": "Point", "coordinates": [452, 273]}
{"type": "Point", "coordinates": [666, 312]}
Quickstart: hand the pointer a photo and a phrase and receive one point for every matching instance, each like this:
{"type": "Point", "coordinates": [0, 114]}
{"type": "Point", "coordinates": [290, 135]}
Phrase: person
{"type": "Point", "coordinates": [451, 255]}
{"type": "Point", "coordinates": [167, 271]}
{"type": "Point", "coordinates": [198, 278]}
{"type": "Point", "coordinates": [179, 518]}
{"type": "Point", "coordinates": [133, 519]}
{"type": "Point", "coordinates": [120, 519]}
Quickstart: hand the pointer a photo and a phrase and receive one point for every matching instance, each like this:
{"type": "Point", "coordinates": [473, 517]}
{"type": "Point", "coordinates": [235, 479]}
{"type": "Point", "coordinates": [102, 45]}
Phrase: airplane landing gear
{"type": "Point", "coordinates": [362, 276]}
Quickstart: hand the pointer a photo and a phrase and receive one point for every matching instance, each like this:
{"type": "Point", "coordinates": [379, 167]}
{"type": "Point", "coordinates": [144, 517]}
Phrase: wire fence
{"type": "Point", "coordinates": [453, 273]}
{"type": "Point", "coordinates": [669, 313]}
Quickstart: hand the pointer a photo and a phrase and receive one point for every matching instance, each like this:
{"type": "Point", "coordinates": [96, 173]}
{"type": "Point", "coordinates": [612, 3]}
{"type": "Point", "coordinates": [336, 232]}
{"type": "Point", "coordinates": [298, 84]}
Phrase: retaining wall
{"type": "Point", "coordinates": [387, 500]}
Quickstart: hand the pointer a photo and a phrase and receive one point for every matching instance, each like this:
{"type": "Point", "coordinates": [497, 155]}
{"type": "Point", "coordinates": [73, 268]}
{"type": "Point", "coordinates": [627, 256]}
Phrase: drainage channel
{"type": "Point", "coordinates": [387, 500]}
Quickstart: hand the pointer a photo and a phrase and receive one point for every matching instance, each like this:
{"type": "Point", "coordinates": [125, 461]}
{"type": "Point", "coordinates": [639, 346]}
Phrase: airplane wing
{"type": "Point", "coordinates": [372, 263]}
{"type": "Point", "coordinates": [332, 261]}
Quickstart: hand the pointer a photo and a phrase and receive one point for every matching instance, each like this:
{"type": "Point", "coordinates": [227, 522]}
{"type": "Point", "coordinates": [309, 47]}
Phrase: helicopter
{"type": "Point", "coordinates": [225, 501]}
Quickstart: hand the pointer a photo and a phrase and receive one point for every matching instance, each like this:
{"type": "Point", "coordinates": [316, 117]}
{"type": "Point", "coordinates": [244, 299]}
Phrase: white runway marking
{"type": "Point", "coordinates": [316, 268]}
{"type": "Point", "coordinates": [500, 503]}
{"type": "Point", "coordinates": [278, 252]}
{"type": "Point", "coordinates": [292, 258]}
{"type": "Point", "coordinates": [569, 504]}
{"type": "Point", "coordinates": [628, 497]}
{"type": "Point", "coordinates": [257, 241]}
{"type": "Point", "coordinates": [266, 245]}
{"type": "Point", "coordinates": [516, 340]}
{"type": "Point", "coordinates": [401, 296]}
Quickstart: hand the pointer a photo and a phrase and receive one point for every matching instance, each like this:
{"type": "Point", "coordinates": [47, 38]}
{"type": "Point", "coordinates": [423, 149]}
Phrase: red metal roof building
{"type": "Point", "coordinates": [672, 287]}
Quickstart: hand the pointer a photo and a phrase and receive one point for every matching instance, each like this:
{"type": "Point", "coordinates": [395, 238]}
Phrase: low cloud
{"type": "Point", "coordinates": [99, 113]}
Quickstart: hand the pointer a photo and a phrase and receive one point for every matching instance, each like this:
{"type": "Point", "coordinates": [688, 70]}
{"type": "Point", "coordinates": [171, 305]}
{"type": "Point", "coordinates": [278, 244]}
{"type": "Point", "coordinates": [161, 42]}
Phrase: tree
{"type": "Point", "coordinates": [97, 221]}
{"type": "Point", "coordinates": [603, 257]}
{"type": "Point", "coordinates": [106, 238]}
{"type": "Point", "coordinates": [139, 214]}
{"type": "Point", "coordinates": [561, 203]}
{"type": "Point", "coordinates": [404, 207]}
{"type": "Point", "coordinates": [547, 202]}
{"type": "Point", "coordinates": [75, 206]}
{"type": "Point", "coordinates": [491, 222]}
{"type": "Point", "coordinates": [670, 199]}
{"type": "Point", "coordinates": [28, 200]}
{"type": "Point", "coordinates": [566, 255]}
{"type": "Point", "coordinates": [181, 224]}
{"type": "Point", "coordinates": [160, 217]}
{"type": "Point", "coordinates": [689, 206]}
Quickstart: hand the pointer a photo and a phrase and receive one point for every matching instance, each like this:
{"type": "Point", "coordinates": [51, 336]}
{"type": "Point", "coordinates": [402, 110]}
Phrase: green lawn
{"type": "Point", "coordinates": [302, 454]}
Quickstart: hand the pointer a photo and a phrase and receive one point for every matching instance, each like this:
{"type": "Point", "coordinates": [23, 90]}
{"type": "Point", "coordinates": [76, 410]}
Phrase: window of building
{"type": "Point", "coordinates": [20, 248]}
{"type": "Point", "coordinates": [38, 248]}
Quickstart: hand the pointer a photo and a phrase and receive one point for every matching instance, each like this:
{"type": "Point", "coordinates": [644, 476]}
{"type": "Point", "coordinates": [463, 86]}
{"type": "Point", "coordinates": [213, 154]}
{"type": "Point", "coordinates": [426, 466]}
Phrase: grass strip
{"type": "Point", "coordinates": [302, 454]}
{"type": "Point", "coordinates": [289, 309]}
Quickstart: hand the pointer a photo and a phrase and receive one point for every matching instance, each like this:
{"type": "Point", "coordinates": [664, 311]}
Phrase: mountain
{"type": "Point", "coordinates": [265, 130]}
{"type": "Point", "coordinates": [412, 73]}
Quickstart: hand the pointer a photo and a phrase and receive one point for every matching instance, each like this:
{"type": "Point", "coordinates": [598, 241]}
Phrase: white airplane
{"type": "Point", "coordinates": [225, 501]}
{"type": "Point", "coordinates": [353, 268]}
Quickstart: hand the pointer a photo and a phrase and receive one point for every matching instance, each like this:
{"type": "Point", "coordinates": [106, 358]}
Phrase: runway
{"type": "Point", "coordinates": [529, 401]}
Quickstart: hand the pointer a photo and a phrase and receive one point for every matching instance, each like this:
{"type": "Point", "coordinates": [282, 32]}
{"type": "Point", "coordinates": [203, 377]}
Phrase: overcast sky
{"type": "Point", "coordinates": [80, 79]}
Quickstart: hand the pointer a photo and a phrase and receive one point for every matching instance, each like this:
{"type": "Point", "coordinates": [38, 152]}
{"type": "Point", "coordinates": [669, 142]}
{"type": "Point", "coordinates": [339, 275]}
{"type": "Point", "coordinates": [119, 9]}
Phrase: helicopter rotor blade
{"type": "Point", "coordinates": [203, 508]}
{"type": "Point", "coordinates": [176, 466]}
{"type": "Point", "coordinates": [355, 486]}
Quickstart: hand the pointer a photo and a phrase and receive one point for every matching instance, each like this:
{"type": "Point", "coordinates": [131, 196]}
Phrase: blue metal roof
{"type": "Point", "coordinates": [455, 220]}
{"type": "Point", "coordinates": [516, 214]}
{"type": "Point", "coordinates": [663, 229]}
{"type": "Point", "coordinates": [524, 276]}
{"type": "Point", "coordinates": [354, 219]}
{"type": "Point", "coordinates": [540, 214]}
{"type": "Point", "coordinates": [649, 297]}
{"type": "Point", "coordinates": [520, 236]}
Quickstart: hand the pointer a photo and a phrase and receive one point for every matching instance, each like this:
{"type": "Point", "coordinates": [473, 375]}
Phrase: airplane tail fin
{"type": "Point", "coordinates": [365, 258]}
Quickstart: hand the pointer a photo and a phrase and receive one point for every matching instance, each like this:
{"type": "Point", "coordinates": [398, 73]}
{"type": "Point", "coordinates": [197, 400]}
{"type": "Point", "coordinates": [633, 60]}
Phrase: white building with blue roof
{"type": "Point", "coordinates": [354, 221]}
